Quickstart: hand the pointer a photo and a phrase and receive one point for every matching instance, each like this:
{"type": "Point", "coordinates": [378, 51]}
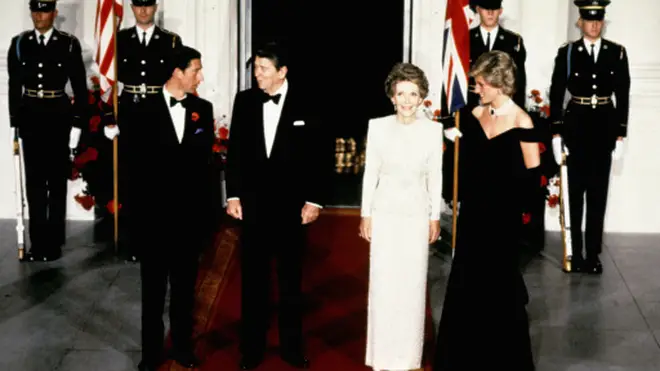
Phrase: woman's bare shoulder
{"type": "Point", "coordinates": [477, 111]}
{"type": "Point", "coordinates": [523, 120]}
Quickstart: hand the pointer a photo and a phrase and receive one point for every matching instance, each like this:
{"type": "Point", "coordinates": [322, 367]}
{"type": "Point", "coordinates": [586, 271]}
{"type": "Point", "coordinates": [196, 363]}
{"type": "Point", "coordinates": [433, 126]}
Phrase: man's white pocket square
{"type": "Point", "coordinates": [299, 123]}
{"type": "Point", "coordinates": [199, 130]}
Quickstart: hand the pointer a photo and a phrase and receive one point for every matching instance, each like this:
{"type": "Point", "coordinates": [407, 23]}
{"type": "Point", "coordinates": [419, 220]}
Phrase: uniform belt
{"type": "Point", "coordinates": [592, 101]}
{"type": "Point", "coordinates": [142, 89]}
{"type": "Point", "coordinates": [40, 93]}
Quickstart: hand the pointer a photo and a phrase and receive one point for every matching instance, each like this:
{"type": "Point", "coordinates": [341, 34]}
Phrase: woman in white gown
{"type": "Point", "coordinates": [401, 201]}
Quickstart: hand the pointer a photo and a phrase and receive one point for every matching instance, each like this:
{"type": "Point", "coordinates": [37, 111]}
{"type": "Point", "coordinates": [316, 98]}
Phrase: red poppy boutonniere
{"type": "Point", "coordinates": [194, 116]}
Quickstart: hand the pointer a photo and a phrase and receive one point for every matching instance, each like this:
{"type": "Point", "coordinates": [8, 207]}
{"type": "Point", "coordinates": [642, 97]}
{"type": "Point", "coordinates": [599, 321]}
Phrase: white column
{"type": "Point", "coordinates": [211, 27]}
{"type": "Point", "coordinates": [511, 17]}
{"type": "Point", "coordinates": [634, 198]}
{"type": "Point", "coordinates": [543, 33]}
{"type": "Point", "coordinates": [16, 19]}
{"type": "Point", "coordinates": [427, 37]}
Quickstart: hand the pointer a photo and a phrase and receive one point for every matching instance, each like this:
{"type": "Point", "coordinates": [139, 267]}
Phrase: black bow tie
{"type": "Point", "coordinates": [174, 102]}
{"type": "Point", "coordinates": [275, 98]}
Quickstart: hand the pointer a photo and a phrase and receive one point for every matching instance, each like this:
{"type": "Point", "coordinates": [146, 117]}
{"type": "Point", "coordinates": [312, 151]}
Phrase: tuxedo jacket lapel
{"type": "Point", "coordinates": [281, 133]}
{"type": "Point", "coordinates": [259, 126]}
{"type": "Point", "coordinates": [167, 126]}
{"type": "Point", "coordinates": [189, 125]}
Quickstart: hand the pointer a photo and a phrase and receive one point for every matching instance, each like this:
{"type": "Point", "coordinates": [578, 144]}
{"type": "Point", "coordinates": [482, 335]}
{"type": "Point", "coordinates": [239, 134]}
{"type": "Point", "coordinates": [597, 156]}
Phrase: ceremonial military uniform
{"type": "Point", "coordinates": [503, 40]}
{"type": "Point", "coordinates": [39, 66]}
{"type": "Point", "coordinates": [595, 117]}
{"type": "Point", "coordinates": [143, 67]}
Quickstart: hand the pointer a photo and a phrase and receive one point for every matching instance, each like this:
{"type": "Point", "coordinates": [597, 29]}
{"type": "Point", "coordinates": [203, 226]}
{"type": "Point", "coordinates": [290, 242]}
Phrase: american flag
{"type": "Point", "coordinates": [456, 55]}
{"type": "Point", "coordinates": [105, 34]}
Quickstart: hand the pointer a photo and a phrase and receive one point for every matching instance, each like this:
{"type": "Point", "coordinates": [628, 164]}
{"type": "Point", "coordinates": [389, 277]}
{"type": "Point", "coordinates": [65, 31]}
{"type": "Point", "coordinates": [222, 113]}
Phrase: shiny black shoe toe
{"type": "Point", "coordinates": [299, 361]}
{"type": "Point", "coordinates": [594, 266]}
{"type": "Point", "coordinates": [186, 359]}
{"type": "Point", "coordinates": [143, 366]}
{"type": "Point", "coordinates": [250, 363]}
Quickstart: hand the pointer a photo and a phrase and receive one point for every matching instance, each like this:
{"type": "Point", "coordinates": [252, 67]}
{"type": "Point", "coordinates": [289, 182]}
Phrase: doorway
{"type": "Point", "coordinates": [341, 53]}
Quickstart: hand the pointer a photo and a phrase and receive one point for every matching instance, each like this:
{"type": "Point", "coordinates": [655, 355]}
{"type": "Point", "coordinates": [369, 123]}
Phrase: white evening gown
{"type": "Point", "coordinates": [402, 191]}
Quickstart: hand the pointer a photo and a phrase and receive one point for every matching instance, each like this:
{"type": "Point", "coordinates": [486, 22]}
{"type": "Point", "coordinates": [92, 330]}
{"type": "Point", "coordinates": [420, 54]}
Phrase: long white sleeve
{"type": "Point", "coordinates": [371, 171]}
{"type": "Point", "coordinates": [434, 173]}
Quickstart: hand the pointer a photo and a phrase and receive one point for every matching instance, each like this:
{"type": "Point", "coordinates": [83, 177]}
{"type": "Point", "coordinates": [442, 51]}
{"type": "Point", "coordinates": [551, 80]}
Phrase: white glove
{"type": "Point", "coordinates": [74, 138]}
{"type": "Point", "coordinates": [452, 134]}
{"type": "Point", "coordinates": [557, 149]}
{"type": "Point", "coordinates": [111, 132]}
{"type": "Point", "coordinates": [617, 153]}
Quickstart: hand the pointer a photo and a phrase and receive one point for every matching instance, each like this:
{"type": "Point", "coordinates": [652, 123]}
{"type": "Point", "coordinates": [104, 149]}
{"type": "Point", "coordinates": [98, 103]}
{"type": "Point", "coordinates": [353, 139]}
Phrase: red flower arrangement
{"type": "Point", "coordinates": [553, 192]}
{"type": "Point", "coordinates": [221, 128]}
{"type": "Point", "coordinates": [432, 114]}
{"type": "Point", "coordinates": [93, 160]}
{"type": "Point", "coordinates": [537, 104]}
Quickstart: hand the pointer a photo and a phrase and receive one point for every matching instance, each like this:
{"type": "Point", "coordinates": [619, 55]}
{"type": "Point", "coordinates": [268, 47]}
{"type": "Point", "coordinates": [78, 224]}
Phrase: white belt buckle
{"type": "Point", "coordinates": [143, 88]}
{"type": "Point", "coordinates": [594, 101]}
{"type": "Point", "coordinates": [40, 94]}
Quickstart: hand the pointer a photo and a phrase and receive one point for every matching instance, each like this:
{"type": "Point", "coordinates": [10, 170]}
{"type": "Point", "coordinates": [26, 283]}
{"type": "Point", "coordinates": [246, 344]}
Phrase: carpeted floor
{"type": "Point", "coordinates": [335, 286]}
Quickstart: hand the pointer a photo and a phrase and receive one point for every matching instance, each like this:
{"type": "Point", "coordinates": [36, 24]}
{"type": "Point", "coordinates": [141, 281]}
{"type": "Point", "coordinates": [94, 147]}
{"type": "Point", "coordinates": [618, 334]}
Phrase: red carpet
{"type": "Point", "coordinates": [335, 286]}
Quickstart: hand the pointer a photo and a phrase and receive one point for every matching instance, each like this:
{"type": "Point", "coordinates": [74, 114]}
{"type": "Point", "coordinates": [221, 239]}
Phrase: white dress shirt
{"type": "Point", "coordinates": [149, 31]}
{"type": "Point", "coordinates": [46, 35]}
{"type": "Point", "coordinates": [178, 114]}
{"type": "Point", "coordinates": [493, 35]}
{"type": "Point", "coordinates": [587, 44]}
{"type": "Point", "coordinates": [272, 113]}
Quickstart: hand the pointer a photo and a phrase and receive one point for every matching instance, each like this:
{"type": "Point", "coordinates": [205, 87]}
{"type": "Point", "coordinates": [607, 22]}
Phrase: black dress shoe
{"type": "Point", "coordinates": [186, 359]}
{"type": "Point", "coordinates": [250, 363]}
{"type": "Point", "coordinates": [144, 366]}
{"type": "Point", "coordinates": [52, 255]}
{"type": "Point", "coordinates": [577, 265]}
{"type": "Point", "coordinates": [594, 266]}
{"type": "Point", "coordinates": [33, 256]}
{"type": "Point", "coordinates": [297, 361]}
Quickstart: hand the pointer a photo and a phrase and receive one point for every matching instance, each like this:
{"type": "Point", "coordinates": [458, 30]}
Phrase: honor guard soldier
{"type": "Point", "coordinates": [490, 35]}
{"type": "Point", "coordinates": [40, 63]}
{"type": "Point", "coordinates": [144, 53]}
{"type": "Point", "coordinates": [592, 74]}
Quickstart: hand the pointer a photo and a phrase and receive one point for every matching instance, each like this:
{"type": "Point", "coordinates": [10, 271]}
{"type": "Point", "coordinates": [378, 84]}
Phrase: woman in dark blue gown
{"type": "Point", "coordinates": [484, 322]}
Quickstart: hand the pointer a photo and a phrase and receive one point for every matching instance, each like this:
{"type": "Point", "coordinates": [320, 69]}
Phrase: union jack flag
{"type": "Point", "coordinates": [106, 36]}
{"type": "Point", "coordinates": [456, 55]}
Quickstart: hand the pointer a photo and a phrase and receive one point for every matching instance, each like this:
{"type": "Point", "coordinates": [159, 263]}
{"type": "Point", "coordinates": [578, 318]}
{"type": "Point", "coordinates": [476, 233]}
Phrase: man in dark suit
{"type": "Point", "coordinates": [40, 63]}
{"type": "Point", "coordinates": [173, 194]}
{"type": "Point", "coordinates": [490, 35]}
{"type": "Point", "coordinates": [143, 55]}
{"type": "Point", "coordinates": [275, 186]}
{"type": "Point", "coordinates": [593, 71]}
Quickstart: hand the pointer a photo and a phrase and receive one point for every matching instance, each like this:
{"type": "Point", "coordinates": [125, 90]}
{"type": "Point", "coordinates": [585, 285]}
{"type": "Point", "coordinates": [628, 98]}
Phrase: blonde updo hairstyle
{"type": "Point", "coordinates": [498, 69]}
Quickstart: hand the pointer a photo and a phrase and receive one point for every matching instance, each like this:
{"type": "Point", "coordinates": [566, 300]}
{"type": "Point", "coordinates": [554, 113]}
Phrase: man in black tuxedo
{"type": "Point", "coordinates": [275, 177]}
{"type": "Point", "coordinates": [174, 193]}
